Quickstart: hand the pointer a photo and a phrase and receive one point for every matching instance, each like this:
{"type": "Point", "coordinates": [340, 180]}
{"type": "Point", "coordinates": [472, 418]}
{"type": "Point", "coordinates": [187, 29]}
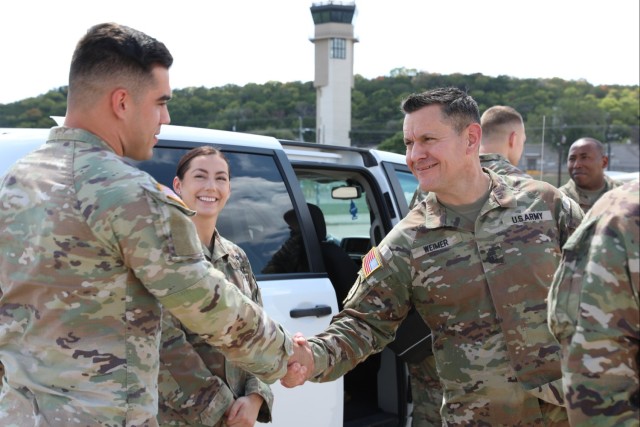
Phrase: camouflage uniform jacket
{"type": "Point", "coordinates": [480, 287]}
{"type": "Point", "coordinates": [594, 310]}
{"type": "Point", "coordinates": [425, 385]}
{"type": "Point", "coordinates": [500, 165]}
{"type": "Point", "coordinates": [197, 384]}
{"type": "Point", "coordinates": [572, 190]}
{"type": "Point", "coordinates": [90, 250]}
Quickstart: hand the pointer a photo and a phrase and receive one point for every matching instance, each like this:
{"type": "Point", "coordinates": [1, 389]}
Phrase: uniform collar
{"type": "Point", "coordinates": [61, 133]}
{"type": "Point", "coordinates": [501, 195]}
{"type": "Point", "coordinates": [218, 248]}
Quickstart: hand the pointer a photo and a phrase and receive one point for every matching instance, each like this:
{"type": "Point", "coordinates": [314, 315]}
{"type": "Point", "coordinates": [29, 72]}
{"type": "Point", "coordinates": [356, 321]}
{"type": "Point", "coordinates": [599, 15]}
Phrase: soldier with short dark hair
{"type": "Point", "coordinates": [586, 163]}
{"type": "Point", "coordinates": [502, 144]}
{"type": "Point", "coordinates": [475, 259]}
{"type": "Point", "coordinates": [93, 249]}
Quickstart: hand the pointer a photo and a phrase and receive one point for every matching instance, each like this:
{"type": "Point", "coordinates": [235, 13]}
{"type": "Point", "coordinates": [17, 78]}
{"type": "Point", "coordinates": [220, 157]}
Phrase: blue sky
{"type": "Point", "coordinates": [217, 42]}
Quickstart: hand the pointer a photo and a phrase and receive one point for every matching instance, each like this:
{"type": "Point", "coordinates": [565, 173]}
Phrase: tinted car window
{"type": "Point", "coordinates": [408, 182]}
{"type": "Point", "coordinates": [343, 218]}
{"type": "Point", "coordinates": [403, 182]}
{"type": "Point", "coordinates": [254, 215]}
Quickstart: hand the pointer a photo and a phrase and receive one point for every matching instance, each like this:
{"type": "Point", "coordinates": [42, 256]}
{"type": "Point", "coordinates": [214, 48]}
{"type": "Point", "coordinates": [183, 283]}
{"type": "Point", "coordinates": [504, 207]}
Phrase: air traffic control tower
{"type": "Point", "coordinates": [333, 42]}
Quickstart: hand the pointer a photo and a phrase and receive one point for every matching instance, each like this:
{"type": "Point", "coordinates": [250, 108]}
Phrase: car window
{"type": "Point", "coordinates": [403, 182]}
{"type": "Point", "coordinates": [408, 182]}
{"type": "Point", "coordinates": [344, 218]}
{"type": "Point", "coordinates": [254, 217]}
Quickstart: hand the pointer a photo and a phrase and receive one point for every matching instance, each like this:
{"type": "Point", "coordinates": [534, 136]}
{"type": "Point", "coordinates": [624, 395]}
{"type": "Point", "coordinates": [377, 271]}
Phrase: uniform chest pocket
{"type": "Point", "coordinates": [528, 235]}
{"type": "Point", "coordinates": [434, 257]}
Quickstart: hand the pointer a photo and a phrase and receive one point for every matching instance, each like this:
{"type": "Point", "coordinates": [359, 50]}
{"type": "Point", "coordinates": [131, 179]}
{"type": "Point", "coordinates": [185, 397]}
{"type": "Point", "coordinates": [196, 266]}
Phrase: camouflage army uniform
{"type": "Point", "coordinates": [426, 392]}
{"type": "Point", "coordinates": [425, 385]}
{"type": "Point", "coordinates": [481, 288]}
{"type": "Point", "coordinates": [581, 197]}
{"type": "Point", "coordinates": [500, 165]}
{"type": "Point", "coordinates": [90, 248]}
{"type": "Point", "coordinates": [196, 384]}
{"type": "Point", "coordinates": [594, 312]}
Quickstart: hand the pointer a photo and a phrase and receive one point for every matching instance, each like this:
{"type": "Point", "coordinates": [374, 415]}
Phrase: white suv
{"type": "Point", "coordinates": [358, 194]}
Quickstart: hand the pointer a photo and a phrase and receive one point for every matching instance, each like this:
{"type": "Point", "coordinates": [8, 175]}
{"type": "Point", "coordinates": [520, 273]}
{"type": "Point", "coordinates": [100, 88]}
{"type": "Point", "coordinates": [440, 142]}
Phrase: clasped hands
{"type": "Point", "coordinates": [301, 365]}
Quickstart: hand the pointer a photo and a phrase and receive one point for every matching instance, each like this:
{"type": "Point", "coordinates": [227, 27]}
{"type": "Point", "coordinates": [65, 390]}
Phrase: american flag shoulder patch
{"type": "Point", "coordinates": [170, 194]}
{"type": "Point", "coordinates": [371, 262]}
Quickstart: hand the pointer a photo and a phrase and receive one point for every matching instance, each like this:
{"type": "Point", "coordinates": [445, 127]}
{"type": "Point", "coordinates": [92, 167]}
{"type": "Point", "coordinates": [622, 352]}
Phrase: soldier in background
{"type": "Point", "coordinates": [196, 384]}
{"type": "Point", "coordinates": [503, 138]}
{"type": "Point", "coordinates": [475, 259]}
{"type": "Point", "coordinates": [92, 249]}
{"type": "Point", "coordinates": [594, 311]}
{"type": "Point", "coordinates": [586, 163]}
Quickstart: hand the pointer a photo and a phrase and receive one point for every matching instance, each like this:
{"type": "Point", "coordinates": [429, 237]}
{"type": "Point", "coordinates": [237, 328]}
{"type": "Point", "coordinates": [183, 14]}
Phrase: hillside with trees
{"type": "Point", "coordinates": [570, 109]}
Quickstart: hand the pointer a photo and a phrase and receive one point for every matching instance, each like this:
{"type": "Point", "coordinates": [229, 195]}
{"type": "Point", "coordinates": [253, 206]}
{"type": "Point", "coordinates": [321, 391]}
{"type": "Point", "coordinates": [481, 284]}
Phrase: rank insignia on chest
{"type": "Point", "coordinates": [371, 262]}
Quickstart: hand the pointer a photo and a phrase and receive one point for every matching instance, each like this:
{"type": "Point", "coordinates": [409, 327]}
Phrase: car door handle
{"type": "Point", "coordinates": [317, 311]}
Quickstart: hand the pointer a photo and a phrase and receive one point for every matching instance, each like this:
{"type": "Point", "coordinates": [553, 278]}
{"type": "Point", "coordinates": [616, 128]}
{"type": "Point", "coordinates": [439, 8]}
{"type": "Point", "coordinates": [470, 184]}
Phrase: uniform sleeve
{"type": "Point", "coordinates": [188, 391]}
{"type": "Point", "coordinates": [569, 218]}
{"type": "Point", "coordinates": [254, 384]}
{"type": "Point", "coordinates": [262, 389]}
{"type": "Point", "coordinates": [564, 292]}
{"type": "Point", "coordinates": [160, 245]}
{"type": "Point", "coordinates": [600, 370]}
{"type": "Point", "coordinates": [373, 311]}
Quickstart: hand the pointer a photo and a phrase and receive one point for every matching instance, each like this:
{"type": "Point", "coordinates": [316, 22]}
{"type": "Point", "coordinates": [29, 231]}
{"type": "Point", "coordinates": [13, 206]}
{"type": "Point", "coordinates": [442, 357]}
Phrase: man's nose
{"type": "Point", "coordinates": [165, 118]}
{"type": "Point", "coordinates": [419, 151]}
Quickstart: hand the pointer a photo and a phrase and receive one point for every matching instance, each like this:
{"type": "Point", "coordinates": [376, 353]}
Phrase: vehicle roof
{"type": "Point", "coordinates": [167, 133]}
{"type": "Point", "coordinates": [388, 156]}
{"type": "Point", "coordinates": [622, 176]}
{"type": "Point", "coordinates": [309, 151]}
{"type": "Point", "coordinates": [215, 136]}
{"type": "Point", "coordinates": [18, 142]}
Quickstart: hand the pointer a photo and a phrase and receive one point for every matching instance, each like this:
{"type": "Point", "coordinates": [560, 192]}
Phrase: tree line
{"type": "Point", "coordinates": [566, 110]}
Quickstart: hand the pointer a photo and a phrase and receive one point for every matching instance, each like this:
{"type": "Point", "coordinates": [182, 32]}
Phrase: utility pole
{"type": "Point", "coordinates": [302, 130]}
{"type": "Point", "coordinates": [563, 139]}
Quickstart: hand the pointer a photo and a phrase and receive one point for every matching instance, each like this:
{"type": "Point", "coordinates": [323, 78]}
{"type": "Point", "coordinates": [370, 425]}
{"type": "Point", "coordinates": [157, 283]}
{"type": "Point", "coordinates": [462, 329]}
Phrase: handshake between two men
{"type": "Point", "coordinates": [301, 364]}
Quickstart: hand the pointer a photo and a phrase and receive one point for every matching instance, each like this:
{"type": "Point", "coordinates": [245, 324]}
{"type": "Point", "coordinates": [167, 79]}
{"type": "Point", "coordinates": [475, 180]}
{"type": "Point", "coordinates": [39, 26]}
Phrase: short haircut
{"type": "Point", "coordinates": [109, 50]}
{"type": "Point", "coordinates": [497, 116]}
{"type": "Point", "coordinates": [599, 145]}
{"type": "Point", "coordinates": [456, 105]}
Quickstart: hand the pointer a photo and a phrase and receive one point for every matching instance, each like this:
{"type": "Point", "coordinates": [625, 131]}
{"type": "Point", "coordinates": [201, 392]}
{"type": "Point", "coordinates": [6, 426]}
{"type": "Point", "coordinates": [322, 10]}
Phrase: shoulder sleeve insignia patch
{"type": "Point", "coordinates": [371, 262]}
{"type": "Point", "coordinates": [170, 194]}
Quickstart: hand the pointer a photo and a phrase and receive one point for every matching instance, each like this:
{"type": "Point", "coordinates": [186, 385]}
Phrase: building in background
{"type": "Point", "coordinates": [334, 41]}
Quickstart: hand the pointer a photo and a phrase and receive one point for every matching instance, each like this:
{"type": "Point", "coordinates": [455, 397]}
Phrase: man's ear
{"type": "Point", "coordinates": [120, 101]}
{"type": "Point", "coordinates": [512, 139]}
{"type": "Point", "coordinates": [474, 136]}
{"type": "Point", "coordinates": [605, 162]}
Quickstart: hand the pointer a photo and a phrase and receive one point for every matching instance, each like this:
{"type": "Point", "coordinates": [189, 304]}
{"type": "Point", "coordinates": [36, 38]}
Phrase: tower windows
{"type": "Point", "coordinates": [339, 48]}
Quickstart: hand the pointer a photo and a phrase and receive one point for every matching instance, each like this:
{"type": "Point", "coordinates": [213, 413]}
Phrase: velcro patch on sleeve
{"type": "Point", "coordinates": [371, 262]}
{"type": "Point", "coordinates": [170, 194]}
